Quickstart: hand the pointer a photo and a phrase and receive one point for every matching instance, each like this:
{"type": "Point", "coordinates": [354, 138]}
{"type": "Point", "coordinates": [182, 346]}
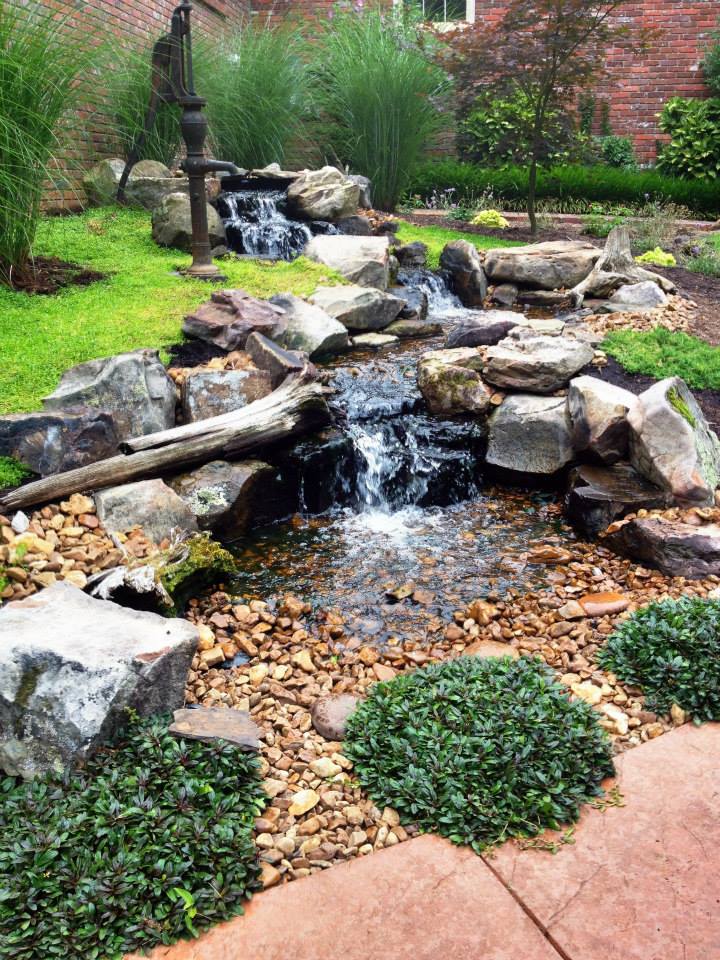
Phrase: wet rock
{"type": "Point", "coordinates": [72, 666]}
{"type": "Point", "coordinates": [414, 329]}
{"type": "Point", "coordinates": [172, 223]}
{"type": "Point", "coordinates": [330, 714]}
{"type": "Point", "coordinates": [677, 549]}
{"type": "Point", "coordinates": [505, 294]}
{"type": "Point", "coordinates": [415, 303]}
{"type": "Point", "coordinates": [599, 495]}
{"type": "Point", "coordinates": [362, 260]}
{"type": "Point", "coordinates": [355, 226]}
{"type": "Point", "coordinates": [549, 266]}
{"type": "Point", "coordinates": [449, 386]}
{"type": "Point", "coordinates": [324, 194]}
{"type": "Point", "coordinates": [212, 723]}
{"type": "Point", "coordinates": [374, 340]}
{"type": "Point", "coordinates": [50, 443]}
{"type": "Point", "coordinates": [308, 328]}
{"type": "Point", "coordinates": [223, 496]}
{"type": "Point", "coordinates": [462, 261]}
{"type": "Point", "coordinates": [150, 504]}
{"type": "Point", "coordinates": [603, 604]}
{"type": "Point", "coordinates": [530, 434]}
{"type": "Point", "coordinates": [537, 364]}
{"type": "Point", "coordinates": [230, 316]}
{"type": "Point", "coordinates": [210, 393]}
{"type": "Point", "coordinates": [671, 443]}
{"type": "Point", "coordinates": [412, 255]}
{"type": "Point", "coordinates": [598, 411]}
{"type": "Point", "coordinates": [645, 295]}
{"type": "Point", "coordinates": [358, 308]}
{"type": "Point", "coordinates": [133, 387]}
{"type": "Point", "coordinates": [268, 356]}
{"type": "Point", "coordinates": [485, 328]}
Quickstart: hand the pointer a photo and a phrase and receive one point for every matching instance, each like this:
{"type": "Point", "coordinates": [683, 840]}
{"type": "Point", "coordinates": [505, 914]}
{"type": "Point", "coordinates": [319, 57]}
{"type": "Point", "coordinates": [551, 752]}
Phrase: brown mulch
{"type": "Point", "coordinates": [705, 291]}
{"type": "Point", "coordinates": [47, 275]}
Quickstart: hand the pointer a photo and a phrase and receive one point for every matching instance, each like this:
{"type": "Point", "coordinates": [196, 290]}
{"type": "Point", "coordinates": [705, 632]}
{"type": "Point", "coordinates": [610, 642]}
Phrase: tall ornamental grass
{"type": "Point", "coordinates": [378, 97]}
{"type": "Point", "coordinates": [39, 66]}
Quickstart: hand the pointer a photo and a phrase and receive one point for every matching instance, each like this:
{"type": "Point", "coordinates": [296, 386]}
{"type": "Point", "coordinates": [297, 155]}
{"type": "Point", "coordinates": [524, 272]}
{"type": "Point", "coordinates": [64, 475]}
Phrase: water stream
{"type": "Point", "coordinates": [256, 224]}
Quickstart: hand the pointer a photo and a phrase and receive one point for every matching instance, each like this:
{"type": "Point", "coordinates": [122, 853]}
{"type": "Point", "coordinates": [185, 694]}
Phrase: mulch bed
{"type": "Point", "coordinates": [705, 291]}
{"type": "Point", "coordinates": [48, 275]}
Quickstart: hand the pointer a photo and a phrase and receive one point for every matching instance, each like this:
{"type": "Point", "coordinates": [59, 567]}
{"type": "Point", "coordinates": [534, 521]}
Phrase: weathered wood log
{"type": "Point", "coordinates": [615, 268]}
{"type": "Point", "coordinates": [296, 407]}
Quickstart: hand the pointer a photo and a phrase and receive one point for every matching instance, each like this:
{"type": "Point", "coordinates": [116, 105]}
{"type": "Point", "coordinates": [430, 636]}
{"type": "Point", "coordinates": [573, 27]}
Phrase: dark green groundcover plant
{"type": "Point", "coordinates": [150, 842]}
{"type": "Point", "coordinates": [479, 750]}
{"type": "Point", "coordinates": [672, 650]}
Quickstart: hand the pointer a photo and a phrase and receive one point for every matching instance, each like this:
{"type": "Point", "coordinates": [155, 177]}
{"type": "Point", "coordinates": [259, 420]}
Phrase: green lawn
{"type": "Point", "coordinates": [435, 239]}
{"type": "Point", "coordinates": [661, 353]}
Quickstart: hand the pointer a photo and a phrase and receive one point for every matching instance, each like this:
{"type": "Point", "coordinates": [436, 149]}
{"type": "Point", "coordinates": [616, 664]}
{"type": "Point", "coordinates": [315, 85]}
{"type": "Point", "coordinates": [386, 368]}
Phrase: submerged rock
{"type": "Point", "coordinates": [536, 364]}
{"type": "Point", "coordinates": [308, 328]}
{"type": "Point", "coordinates": [150, 504]}
{"type": "Point", "coordinates": [50, 443]}
{"type": "Point", "coordinates": [530, 434]}
{"type": "Point", "coordinates": [374, 340]}
{"type": "Point", "coordinates": [598, 495]}
{"type": "Point", "coordinates": [558, 264]}
{"type": "Point", "coordinates": [462, 261]}
{"type": "Point", "coordinates": [210, 393]}
{"type": "Point", "coordinates": [362, 260]}
{"type": "Point", "coordinates": [358, 308]}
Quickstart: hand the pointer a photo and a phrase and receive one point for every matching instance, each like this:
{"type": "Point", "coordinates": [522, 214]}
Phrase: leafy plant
{"type": "Point", "coordinates": [597, 225]}
{"type": "Point", "coordinates": [658, 257]}
{"type": "Point", "coordinates": [40, 62]}
{"type": "Point", "coordinates": [12, 472]}
{"type": "Point", "coordinates": [672, 650]}
{"type": "Point", "coordinates": [662, 353]}
{"type": "Point", "coordinates": [152, 840]}
{"type": "Point", "coordinates": [705, 259]}
{"type": "Point", "coordinates": [711, 64]}
{"type": "Point", "coordinates": [490, 218]}
{"type": "Point", "coordinates": [479, 750]}
{"type": "Point", "coordinates": [378, 97]}
{"type": "Point", "coordinates": [616, 151]}
{"type": "Point", "coordinates": [694, 148]}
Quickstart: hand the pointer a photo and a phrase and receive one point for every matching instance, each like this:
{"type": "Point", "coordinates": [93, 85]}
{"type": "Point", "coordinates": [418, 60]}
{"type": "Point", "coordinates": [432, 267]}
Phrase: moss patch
{"type": "Point", "coordinates": [204, 563]}
{"type": "Point", "coordinates": [12, 472]}
{"type": "Point", "coordinates": [678, 404]}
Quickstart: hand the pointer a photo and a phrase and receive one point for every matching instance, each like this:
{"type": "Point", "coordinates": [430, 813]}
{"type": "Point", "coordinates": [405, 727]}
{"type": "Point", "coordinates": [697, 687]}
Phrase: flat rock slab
{"type": "Point", "coordinates": [640, 882]}
{"type": "Point", "coordinates": [421, 900]}
{"type": "Point", "coordinates": [216, 723]}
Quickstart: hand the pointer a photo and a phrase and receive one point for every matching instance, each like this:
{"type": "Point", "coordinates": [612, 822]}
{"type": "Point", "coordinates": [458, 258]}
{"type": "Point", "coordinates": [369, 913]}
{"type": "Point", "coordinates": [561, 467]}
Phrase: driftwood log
{"type": "Point", "coordinates": [615, 268]}
{"type": "Point", "coordinates": [297, 406]}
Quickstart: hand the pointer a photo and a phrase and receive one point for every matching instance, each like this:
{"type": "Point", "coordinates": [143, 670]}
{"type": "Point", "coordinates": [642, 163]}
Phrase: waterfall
{"type": "Point", "coordinates": [256, 224]}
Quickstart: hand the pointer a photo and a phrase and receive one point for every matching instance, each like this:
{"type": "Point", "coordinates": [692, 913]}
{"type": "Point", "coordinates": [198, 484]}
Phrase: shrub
{"type": "Point", "coordinates": [694, 148]}
{"type": "Point", "coordinates": [616, 151]}
{"type": "Point", "coordinates": [658, 257]}
{"type": "Point", "coordinates": [478, 750]}
{"type": "Point", "coordinates": [672, 650]}
{"type": "Point", "coordinates": [662, 353]}
{"type": "Point", "coordinates": [490, 218]}
{"type": "Point", "coordinates": [12, 472]}
{"type": "Point", "coordinates": [711, 65]}
{"type": "Point", "coordinates": [152, 840]}
{"type": "Point", "coordinates": [597, 225]}
{"type": "Point", "coordinates": [378, 97]}
{"type": "Point", "coordinates": [656, 224]}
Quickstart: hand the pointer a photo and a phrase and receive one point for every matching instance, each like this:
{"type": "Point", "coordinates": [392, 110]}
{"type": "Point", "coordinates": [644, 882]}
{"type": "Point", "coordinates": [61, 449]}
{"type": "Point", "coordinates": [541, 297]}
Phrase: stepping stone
{"type": "Point", "coordinates": [216, 723]}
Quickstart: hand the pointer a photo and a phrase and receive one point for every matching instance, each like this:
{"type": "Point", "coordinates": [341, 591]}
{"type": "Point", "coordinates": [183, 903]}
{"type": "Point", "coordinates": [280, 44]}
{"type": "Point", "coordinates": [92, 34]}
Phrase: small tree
{"type": "Point", "coordinates": [548, 51]}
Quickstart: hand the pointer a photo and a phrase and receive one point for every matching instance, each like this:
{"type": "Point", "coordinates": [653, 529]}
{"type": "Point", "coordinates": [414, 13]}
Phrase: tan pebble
{"type": "Point", "coordinates": [258, 673]}
{"type": "Point", "coordinates": [324, 767]}
{"type": "Point", "coordinates": [679, 716]}
{"type": "Point", "coordinates": [308, 827]}
{"type": "Point", "coordinates": [587, 692]}
{"type": "Point", "coordinates": [211, 658]}
{"type": "Point", "coordinates": [286, 845]}
{"type": "Point", "coordinates": [273, 788]}
{"type": "Point", "coordinates": [269, 876]}
{"type": "Point", "coordinates": [390, 816]}
{"type": "Point", "coordinates": [264, 841]}
{"type": "Point", "coordinates": [304, 661]}
{"type": "Point", "coordinates": [383, 672]}
{"type": "Point", "coordinates": [307, 846]}
{"type": "Point", "coordinates": [353, 815]}
{"type": "Point", "coordinates": [303, 801]}
{"type": "Point", "coordinates": [77, 578]}
{"type": "Point", "coordinates": [365, 849]}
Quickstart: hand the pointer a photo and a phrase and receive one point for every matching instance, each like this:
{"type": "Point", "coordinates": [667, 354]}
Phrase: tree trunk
{"type": "Point", "coordinates": [532, 190]}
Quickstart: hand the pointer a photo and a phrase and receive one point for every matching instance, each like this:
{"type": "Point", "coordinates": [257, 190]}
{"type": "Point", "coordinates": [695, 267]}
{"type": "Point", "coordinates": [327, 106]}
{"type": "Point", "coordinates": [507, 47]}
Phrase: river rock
{"type": "Point", "coordinates": [133, 387]}
{"type": "Point", "coordinates": [598, 411]}
{"type": "Point", "coordinates": [172, 224]}
{"type": "Point", "coordinates": [414, 329]}
{"type": "Point", "coordinates": [505, 294]}
{"type": "Point", "coordinates": [268, 356]}
{"type": "Point", "coordinates": [50, 443]}
{"type": "Point", "coordinates": [150, 504]}
{"type": "Point", "coordinates": [72, 666]}
{"type": "Point", "coordinates": [536, 364]}
{"type": "Point", "coordinates": [415, 302]}
{"type": "Point", "coordinates": [330, 714]}
{"type": "Point", "coordinates": [530, 434]}
{"type": "Point", "coordinates": [645, 295]}
{"type": "Point", "coordinates": [484, 328]}
{"type": "Point", "coordinates": [462, 261]}
{"type": "Point", "coordinates": [671, 443]}
{"type": "Point", "coordinates": [324, 194]}
{"type": "Point", "coordinates": [551, 266]}
{"type": "Point", "coordinates": [677, 549]}
{"type": "Point", "coordinates": [229, 317]}
{"type": "Point", "coordinates": [308, 328]}
{"type": "Point", "coordinates": [362, 260]}
{"type": "Point", "coordinates": [149, 192]}
{"type": "Point", "coordinates": [412, 255]}
{"type": "Point", "coordinates": [373, 339]}
{"type": "Point", "coordinates": [599, 495]}
{"type": "Point", "coordinates": [358, 308]}
{"type": "Point", "coordinates": [222, 496]}
{"type": "Point", "coordinates": [449, 385]}
{"type": "Point", "coordinates": [210, 393]}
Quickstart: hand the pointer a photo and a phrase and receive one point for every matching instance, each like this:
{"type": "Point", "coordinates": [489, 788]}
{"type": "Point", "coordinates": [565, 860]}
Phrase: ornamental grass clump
{"type": "Point", "coordinates": [150, 842]}
{"type": "Point", "coordinates": [479, 750]}
{"type": "Point", "coordinates": [671, 650]}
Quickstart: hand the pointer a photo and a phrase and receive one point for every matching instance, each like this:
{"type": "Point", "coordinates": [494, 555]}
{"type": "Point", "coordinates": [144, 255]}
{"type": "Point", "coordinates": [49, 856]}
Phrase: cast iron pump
{"type": "Point", "coordinates": [172, 82]}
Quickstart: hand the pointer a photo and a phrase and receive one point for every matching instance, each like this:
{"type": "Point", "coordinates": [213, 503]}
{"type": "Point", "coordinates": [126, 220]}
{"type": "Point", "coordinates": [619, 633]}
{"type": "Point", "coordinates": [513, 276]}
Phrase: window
{"type": "Point", "coordinates": [446, 11]}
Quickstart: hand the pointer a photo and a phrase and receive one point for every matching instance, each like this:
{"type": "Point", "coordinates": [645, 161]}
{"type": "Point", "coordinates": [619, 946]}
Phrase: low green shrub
{"type": "Point", "coordinates": [596, 225]}
{"type": "Point", "coordinates": [655, 225]}
{"type": "Point", "coordinates": [150, 842]}
{"type": "Point", "coordinates": [662, 353]}
{"type": "Point", "coordinates": [478, 750]}
{"type": "Point", "coordinates": [12, 472]}
{"type": "Point", "coordinates": [671, 649]}
{"type": "Point", "coordinates": [658, 257]}
{"type": "Point", "coordinates": [711, 64]}
{"type": "Point", "coordinates": [490, 218]}
{"type": "Point", "coordinates": [694, 148]}
{"type": "Point", "coordinates": [616, 151]}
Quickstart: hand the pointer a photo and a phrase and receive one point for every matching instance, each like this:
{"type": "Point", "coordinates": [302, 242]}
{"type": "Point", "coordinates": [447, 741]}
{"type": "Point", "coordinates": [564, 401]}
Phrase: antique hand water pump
{"type": "Point", "coordinates": [172, 82]}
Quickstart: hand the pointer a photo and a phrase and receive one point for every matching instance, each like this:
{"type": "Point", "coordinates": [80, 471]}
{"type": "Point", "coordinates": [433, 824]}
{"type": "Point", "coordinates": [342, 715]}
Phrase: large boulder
{"type": "Point", "coordinates": [50, 443]}
{"type": "Point", "coordinates": [362, 260]}
{"type": "Point", "coordinates": [210, 393]}
{"type": "Point", "coordinates": [536, 364]}
{"type": "Point", "coordinates": [482, 329]}
{"type": "Point", "coordinates": [598, 411]}
{"type": "Point", "coordinates": [450, 384]}
{"type": "Point", "coordinates": [325, 194]}
{"type": "Point", "coordinates": [150, 192]}
{"type": "Point", "coordinates": [133, 387]}
{"type": "Point", "coordinates": [271, 358]}
{"type": "Point", "coordinates": [412, 256]}
{"type": "Point", "coordinates": [229, 317]}
{"type": "Point", "coordinates": [550, 266]}
{"type": "Point", "coordinates": [223, 496]}
{"type": "Point", "coordinates": [645, 295]}
{"type": "Point", "coordinates": [671, 443]}
{"type": "Point", "coordinates": [467, 277]}
{"type": "Point", "coordinates": [677, 549]}
{"type": "Point", "coordinates": [358, 308]}
{"type": "Point", "coordinates": [150, 504]}
{"type": "Point", "coordinates": [72, 667]}
{"type": "Point", "coordinates": [148, 184]}
{"type": "Point", "coordinates": [415, 302]}
{"type": "Point", "coordinates": [172, 223]}
{"type": "Point", "coordinates": [308, 328]}
{"type": "Point", "coordinates": [365, 186]}
{"type": "Point", "coordinates": [530, 434]}
{"type": "Point", "coordinates": [598, 495]}
{"type": "Point", "coordinates": [101, 181]}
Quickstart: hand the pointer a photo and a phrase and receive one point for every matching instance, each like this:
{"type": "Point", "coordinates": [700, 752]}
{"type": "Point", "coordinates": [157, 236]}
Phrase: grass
{"type": "Point", "coordinates": [435, 239]}
{"type": "Point", "coordinates": [12, 472]}
{"type": "Point", "coordinates": [661, 353]}
{"type": "Point", "coordinates": [140, 304]}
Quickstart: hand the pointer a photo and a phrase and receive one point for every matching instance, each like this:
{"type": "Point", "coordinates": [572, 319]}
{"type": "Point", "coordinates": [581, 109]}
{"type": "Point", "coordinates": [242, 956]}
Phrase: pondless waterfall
{"type": "Point", "coordinates": [256, 224]}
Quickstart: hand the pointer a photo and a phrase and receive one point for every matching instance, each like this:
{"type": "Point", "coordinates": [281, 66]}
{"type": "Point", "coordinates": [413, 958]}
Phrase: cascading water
{"type": "Point", "coordinates": [256, 224]}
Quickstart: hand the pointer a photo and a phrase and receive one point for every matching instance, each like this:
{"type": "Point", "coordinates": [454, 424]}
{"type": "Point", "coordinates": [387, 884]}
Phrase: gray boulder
{"type": "Point", "coordinates": [530, 434]}
{"type": "Point", "coordinates": [149, 504]}
{"type": "Point", "coordinates": [223, 496]}
{"type": "Point", "coordinates": [598, 495]}
{"type": "Point", "coordinates": [149, 192]}
{"type": "Point", "coordinates": [358, 308]}
{"type": "Point", "coordinates": [147, 186]}
{"type": "Point", "coordinates": [677, 549]}
{"type": "Point", "coordinates": [268, 356]}
{"type": "Point", "coordinates": [414, 329]}
{"type": "Point", "coordinates": [450, 385]}
{"type": "Point", "coordinates": [505, 294]}
{"type": "Point", "coordinates": [645, 295]}
{"type": "Point", "coordinates": [536, 364]}
{"type": "Point", "coordinates": [462, 261]}
{"type": "Point", "coordinates": [172, 224]}
{"type": "Point", "coordinates": [50, 443]}
{"type": "Point", "coordinates": [412, 256]}
{"type": "Point", "coordinates": [415, 302]}
{"type": "Point", "coordinates": [362, 260]}
{"type": "Point", "coordinates": [101, 181]}
{"type": "Point", "coordinates": [72, 667]}
{"type": "Point", "coordinates": [483, 328]}
{"type": "Point", "coordinates": [229, 317]}
{"type": "Point", "coordinates": [133, 387]}
{"type": "Point", "coordinates": [598, 412]}
{"type": "Point", "coordinates": [210, 393]}
{"type": "Point", "coordinates": [374, 340]}
{"type": "Point", "coordinates": [309, 328]}
{"type": "Point", "coordinates": [671, 443]}
{"type": "Point", "coordinates": [325, 194]}
{"type": "Point", "coordinates": [550, 266]}
{"type": "Point", "coordinates": [365, 187]}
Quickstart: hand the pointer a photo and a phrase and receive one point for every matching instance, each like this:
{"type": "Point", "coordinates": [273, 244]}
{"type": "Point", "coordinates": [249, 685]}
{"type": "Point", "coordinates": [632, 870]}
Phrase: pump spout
{"type": "Point", "coordinates": [202, 165]}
